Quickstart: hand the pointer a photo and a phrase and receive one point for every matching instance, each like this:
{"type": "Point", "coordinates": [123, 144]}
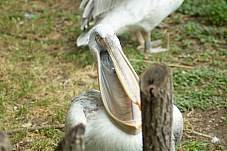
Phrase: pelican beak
{"type": "Point", "coordinates": [119, 85]}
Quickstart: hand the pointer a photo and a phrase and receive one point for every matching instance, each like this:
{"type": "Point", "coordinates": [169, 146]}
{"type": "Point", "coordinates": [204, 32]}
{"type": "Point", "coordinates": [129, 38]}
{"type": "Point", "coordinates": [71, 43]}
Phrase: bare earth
{"type": "Point", "coordinates": [208, 123]}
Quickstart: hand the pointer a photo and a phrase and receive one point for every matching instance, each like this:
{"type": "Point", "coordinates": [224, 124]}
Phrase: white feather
{"type": "Point", "coordinates": [101, 134]}
{"type": "Point", "coordinates": [129, 15]}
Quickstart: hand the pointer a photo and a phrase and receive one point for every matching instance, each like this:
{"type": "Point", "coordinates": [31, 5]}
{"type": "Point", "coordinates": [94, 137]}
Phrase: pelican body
{"type": "Point", "coordinates": [112, 116]}
{"type": "Point", "coordinates": [126, 15]}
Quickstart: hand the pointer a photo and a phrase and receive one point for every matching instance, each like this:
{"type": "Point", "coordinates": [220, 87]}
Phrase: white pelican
{"type": "Point", "coordinates": [112, 116]}
{"type": "Point", "coordinates": [139, 16]}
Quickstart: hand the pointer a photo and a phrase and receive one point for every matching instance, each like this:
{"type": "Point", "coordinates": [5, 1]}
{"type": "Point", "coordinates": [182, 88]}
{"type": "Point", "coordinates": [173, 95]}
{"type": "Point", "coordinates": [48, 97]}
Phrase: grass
{"type": "Point", "coordinates": [203, 88]}
{"type": "Point", "coordinates": [197, 145]}
{"type": "Point", "coordinates": [42, 69]}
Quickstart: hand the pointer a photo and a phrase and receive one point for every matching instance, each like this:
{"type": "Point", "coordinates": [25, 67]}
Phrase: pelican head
{"type": "Point", "coordinates": [117, 79]}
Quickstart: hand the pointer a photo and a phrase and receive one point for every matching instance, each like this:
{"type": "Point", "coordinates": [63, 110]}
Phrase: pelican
{"type": "Point", "coordinates": [112, 116]}
{"type": "Point", "coordinates": [138, 16]}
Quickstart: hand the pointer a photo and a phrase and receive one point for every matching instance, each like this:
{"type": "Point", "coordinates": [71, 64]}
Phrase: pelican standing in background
{"type": "Point", "coordinates": [112, 116]}
{"type": "Point", "coordinates": [139, 16]}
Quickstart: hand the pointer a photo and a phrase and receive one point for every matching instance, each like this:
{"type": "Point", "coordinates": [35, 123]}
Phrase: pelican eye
{"type": "Point", "coordinates": [100, 41]}
{"type": "Point", "coordinates": [97, 38]}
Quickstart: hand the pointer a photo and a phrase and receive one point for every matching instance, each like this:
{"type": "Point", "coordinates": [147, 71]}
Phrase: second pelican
{"type": "Point", "coordinates": [139, 16]}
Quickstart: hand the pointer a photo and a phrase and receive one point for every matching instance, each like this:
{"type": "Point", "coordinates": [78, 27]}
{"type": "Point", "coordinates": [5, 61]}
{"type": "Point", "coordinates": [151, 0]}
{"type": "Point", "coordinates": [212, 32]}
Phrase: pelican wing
{"type": "Point", "coordinates": [94, 8]}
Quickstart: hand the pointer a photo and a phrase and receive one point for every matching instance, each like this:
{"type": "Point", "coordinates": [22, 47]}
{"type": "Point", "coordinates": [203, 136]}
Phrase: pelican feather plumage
{"type": "Point", "coordinates": [112, 116]}
{"type": "Point", "coordinates": [139, 16]}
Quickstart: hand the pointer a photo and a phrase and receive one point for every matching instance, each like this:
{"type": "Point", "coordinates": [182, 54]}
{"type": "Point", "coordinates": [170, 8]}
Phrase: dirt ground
{"type": "Point", "coordinates": [210, 123]}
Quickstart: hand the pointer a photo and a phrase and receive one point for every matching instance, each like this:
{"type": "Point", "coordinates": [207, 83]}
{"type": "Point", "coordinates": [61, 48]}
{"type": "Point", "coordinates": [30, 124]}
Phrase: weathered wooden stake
{"type": "Point", "coordinates": [157, 108]}
{"type": "Point", "coordinates": [5, 143]}
{"type": "Point", "coordinates": [74, 140]}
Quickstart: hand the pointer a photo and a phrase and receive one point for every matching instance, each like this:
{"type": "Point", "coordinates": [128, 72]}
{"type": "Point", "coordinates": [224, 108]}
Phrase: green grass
{"type": "Point", "coordinates": [210, 11]}
{"type": "Point", "coordinates": [41, 68]}
{"type": "Point", "coordinates": [198, 145]}
{"type": "Point", "coordinates": [204, 88]}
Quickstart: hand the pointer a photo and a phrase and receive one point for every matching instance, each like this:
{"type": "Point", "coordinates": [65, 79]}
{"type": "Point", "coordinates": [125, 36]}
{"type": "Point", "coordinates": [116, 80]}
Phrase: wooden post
{"type": "Point", "coordinates": [73, 140]}
{"type": "Point", "coordinates": [157, 108]}
{"type": "Point", "coordinates": [5, 143]}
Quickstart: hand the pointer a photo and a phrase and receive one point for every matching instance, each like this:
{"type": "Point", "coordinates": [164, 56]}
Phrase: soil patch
{"type": "Point", "coordinates": [212, 123]}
